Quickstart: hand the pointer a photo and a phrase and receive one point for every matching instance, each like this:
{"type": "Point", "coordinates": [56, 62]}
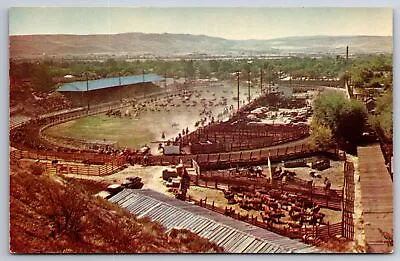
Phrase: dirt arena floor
{"type": "Point", "coordinates": [167, 114]}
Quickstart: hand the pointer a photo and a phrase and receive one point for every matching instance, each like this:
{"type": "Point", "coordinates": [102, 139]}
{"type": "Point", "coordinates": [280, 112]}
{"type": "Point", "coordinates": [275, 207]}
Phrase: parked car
{"type": "Point", "coordinates": [169, 172]}
{"type": "Point", "coordinates": [132, 183]}
{"type": "Point", "coordinates": [173, 182]}
{"type": "Point", "coordinates": [114, 188]}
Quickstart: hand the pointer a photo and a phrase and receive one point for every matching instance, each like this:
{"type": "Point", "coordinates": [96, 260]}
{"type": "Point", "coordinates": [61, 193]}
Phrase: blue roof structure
{"type": "Point", "coordinates": [80, 86]}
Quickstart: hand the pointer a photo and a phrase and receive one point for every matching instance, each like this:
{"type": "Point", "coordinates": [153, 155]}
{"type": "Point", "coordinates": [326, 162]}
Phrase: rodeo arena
{"type": "Point", "coordinates": [232, 166]}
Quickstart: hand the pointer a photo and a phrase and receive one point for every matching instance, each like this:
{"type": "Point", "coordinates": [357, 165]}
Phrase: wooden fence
{"type": "Point", "coordinates": [318, 232]}
{"type": "Point", "coordinates": [89, 157]}
{"type": "Point", "coordinates": [331, 198]}
{"type": "Point", "coordinates": [90, 170]}
{"type": "Point", "coordinates": [243, 158]}
{"type": "Point", "coordinates": [51, 162]}
{"type": "Point", "coordinates": [348, 201]}
{"type": "Point", "coordinates": [223, 137]}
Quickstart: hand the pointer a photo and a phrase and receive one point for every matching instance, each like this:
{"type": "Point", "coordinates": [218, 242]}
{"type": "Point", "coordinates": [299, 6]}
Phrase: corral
{"type": "Point", "coordinates": [219, 124]}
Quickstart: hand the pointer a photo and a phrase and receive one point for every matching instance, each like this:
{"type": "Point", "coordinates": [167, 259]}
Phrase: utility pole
{"type": "Point", "coordinates": [347, 64]}
{"type": "Point", "coordinates": [165, 80]}
{"type": "Point", "coordinates": [120, 86]}
{"type": "Point", "coordinates": [261, 81]}
{"type": "Point", "coordinates": [248, 74]}
{"type": "Point", "coordinates": [87, 93]}
{"type": "Point", "coordinates": [347, 83]}
{"type": "Point", "coordinates": [238, 90]}
{"type": "Point", "coordinates": [144, 91]}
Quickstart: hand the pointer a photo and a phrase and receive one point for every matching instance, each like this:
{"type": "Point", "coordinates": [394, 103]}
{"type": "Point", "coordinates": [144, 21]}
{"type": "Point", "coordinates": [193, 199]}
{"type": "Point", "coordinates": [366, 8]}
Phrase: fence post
{"type": "Point", "coordinates": [327, 198]}
{"type": "Point", "coordinates": [329, 232]}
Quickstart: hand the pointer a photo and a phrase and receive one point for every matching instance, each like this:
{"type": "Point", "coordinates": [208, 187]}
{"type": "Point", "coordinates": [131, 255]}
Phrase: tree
{"type": "Point", "coordinates": [189, 69]}
{"type": "Point", "coordinates": [42, 80]}
{"type": "Point", "coordinates": [344, 118]}
{"type": "Point", "coordinates": [321, 136]}
{"type": "Point", "coordinates": [382, 121]}
{"type": "Point", "coordinates": [352, 119]}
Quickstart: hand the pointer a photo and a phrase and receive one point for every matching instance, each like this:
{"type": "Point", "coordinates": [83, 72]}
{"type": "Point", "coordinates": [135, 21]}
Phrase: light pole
{"type": "Point", "coordinates": [248, 84]}
{"type": "Point", "coordinates": [165, 80]}
{"type": "Point", "coordinates": [261, 81]}
{"type": "Point", "coordinates": [120, 86]}
{"type": "Point", "coordinates": [144, 88]}
{"type": "Point", "coordinates": [87, 93]}
{"type": "Point", "coordinates": [238, 89]}
{"type": "Point", "coordinates": [249, 62]}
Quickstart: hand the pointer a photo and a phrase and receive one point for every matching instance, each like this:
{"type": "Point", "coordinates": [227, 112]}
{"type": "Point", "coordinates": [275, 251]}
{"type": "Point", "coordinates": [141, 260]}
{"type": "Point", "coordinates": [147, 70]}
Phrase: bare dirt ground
{"type": "Point", "coordinates": [334, 174]}
{"type": "Point", "coordinates": [151, 177]}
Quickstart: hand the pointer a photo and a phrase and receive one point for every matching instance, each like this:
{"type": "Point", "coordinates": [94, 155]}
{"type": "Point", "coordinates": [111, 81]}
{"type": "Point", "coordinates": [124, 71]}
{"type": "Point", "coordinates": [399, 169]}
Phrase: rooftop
{"type": "Point", "coordinates": [82, 86]}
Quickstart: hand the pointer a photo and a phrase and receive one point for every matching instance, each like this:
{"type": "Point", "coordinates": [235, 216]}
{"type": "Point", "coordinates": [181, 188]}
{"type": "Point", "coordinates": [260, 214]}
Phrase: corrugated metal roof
{"type": "Point", "coordinates": [80, 86]}
{"type": "Point", "coordinates": [233, 235]}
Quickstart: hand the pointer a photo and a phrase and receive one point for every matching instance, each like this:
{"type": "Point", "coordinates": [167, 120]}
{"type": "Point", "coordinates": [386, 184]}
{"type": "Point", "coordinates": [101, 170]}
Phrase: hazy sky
{"type": "Point", "coordinates": [231, 23]}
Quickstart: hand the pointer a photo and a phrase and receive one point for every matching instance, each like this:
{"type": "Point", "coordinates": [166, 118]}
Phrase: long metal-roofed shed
{"type": "Point", "coordinates": [109, 89]}
{"type": "Point", "coordinates": [233, 235]}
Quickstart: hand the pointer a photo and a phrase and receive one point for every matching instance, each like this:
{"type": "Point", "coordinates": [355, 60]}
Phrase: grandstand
{"type": "Point", "coordinates": [110, 89]}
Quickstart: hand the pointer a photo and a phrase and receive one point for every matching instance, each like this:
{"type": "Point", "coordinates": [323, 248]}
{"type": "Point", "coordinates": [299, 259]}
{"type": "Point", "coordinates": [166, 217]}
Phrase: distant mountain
{"type": "Point", "coordinates": [181, 44]}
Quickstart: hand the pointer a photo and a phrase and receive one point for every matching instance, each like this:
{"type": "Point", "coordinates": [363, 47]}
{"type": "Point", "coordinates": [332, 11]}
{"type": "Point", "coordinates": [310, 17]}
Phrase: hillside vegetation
{"type": "Point", "coordinates": [178, 44]}
{"type": "Point", "coordinates": [48, 216]}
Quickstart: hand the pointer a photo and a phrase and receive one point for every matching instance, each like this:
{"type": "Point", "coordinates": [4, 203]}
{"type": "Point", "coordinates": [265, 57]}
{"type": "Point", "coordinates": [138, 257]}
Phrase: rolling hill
{"type": "Point", "coordinates": [181, 44]}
